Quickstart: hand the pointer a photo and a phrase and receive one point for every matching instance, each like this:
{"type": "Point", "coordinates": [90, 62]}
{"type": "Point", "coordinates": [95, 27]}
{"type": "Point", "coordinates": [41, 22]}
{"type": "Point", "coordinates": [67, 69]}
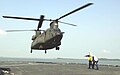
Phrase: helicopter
{"type": "Point", "coordinates": [49, 38]}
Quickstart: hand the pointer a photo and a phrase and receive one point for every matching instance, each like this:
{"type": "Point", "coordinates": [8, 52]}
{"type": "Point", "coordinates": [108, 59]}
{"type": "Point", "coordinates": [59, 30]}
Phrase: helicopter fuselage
{"type": "Point", "coordinates": [49, 39]}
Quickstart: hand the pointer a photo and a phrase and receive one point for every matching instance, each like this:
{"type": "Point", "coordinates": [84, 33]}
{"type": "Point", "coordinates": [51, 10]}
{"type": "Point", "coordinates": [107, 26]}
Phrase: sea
{"type": "Point", "coordinates": [108, 62]}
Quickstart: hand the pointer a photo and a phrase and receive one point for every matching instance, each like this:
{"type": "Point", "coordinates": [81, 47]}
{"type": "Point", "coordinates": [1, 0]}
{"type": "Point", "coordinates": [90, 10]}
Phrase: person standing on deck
{"type": "Point", "coordinates": [90, 61]}
{"type": "Point", "coordinates": [95, 62]}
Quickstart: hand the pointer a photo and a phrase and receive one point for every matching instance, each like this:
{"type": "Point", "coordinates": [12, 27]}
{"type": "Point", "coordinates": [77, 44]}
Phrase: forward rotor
{"type": "Point", "coordinates": [42, 17]}
{"type": "Point", "coordinates": [40, 20]}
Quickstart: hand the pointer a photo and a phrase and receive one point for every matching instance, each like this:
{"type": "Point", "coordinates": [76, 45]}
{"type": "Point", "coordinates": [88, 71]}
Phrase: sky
{"type": "Point", "coordinates": [97, 30]}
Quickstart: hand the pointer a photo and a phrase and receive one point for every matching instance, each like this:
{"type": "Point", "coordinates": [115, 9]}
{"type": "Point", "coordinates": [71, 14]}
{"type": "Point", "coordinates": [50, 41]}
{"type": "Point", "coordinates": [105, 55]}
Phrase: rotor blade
{"type": "Point", "coordinates": [67, 23]}
{"type": "Point", "coordinates": [75, 10]}
{"type": "Point", "coordinates": [21, 18]}
{"type": "Point", "coordinates": [60, 22]}
{"type": "Point", "coordinates": [40, 21]}
{"type": "Point", "coordinates": [48, 20]}
{"type": "Point", "coordinates": [18, 30]}
{"type": "Point", "coordinates": [22, 30]}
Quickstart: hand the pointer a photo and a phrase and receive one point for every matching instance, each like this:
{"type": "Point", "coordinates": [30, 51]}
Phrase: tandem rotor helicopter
{"type": "Point", "coordinates": [50, 38]}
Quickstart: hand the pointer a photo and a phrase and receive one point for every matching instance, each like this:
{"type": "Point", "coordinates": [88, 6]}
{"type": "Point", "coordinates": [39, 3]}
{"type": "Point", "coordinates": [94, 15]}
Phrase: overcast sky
{"type": "Point", "coordinates": [98, 29]}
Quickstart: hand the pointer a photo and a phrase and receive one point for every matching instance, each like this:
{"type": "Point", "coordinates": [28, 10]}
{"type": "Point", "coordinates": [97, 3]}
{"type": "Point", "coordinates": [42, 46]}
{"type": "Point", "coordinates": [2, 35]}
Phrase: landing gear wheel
{"type": "Point", "coordinates": [57, 48]}
{"type": "Point", "coordinates": [45, 51]}
{"type": "Point", "coordinates": [31, 51]}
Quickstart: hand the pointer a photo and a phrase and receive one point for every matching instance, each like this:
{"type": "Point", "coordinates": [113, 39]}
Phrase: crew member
{"type": "Point", "coordinates": [90, 61]}
{"type": "Point", "coordinates": [95, 62]}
